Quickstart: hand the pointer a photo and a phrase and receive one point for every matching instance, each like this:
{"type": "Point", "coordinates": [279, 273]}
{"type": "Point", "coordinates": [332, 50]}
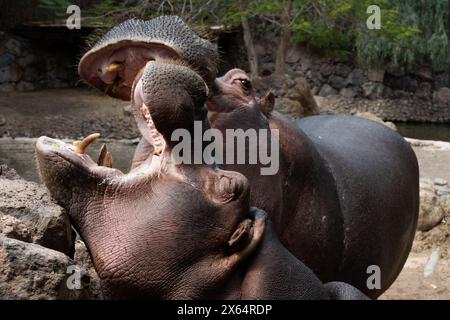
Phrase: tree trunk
{"type": "Point", "coordinates": [284, 39]}
{"type": "Point", "coordinates": [248, 40]}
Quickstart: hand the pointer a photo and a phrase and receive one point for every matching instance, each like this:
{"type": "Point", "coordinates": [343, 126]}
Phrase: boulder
{"type": "Point", "coordinates": [356, 78]}
{"type": "Point", "coordinates": [442, 80]}
{"type": "Point", "coordinates": [327, 91]}
{"type": "Point", "coordinates": [6, 87]}
{"type": "Point", "coordinates": [373, 117]}
{"type": "Point", "coordinates": [30, 271]}
{"type": "Point", "coordinates": [349, 92]}
{"type": "Point", "coordinates": [442, 96]}
{"type": "Point", "coordinates": [8, 173]}
{"type": "Point", "coordinates": [30, 204]}
{"type": "Point", "coordinates": [326, 69]}
{"type": "Point", "coordinates": [342, 70]}
{"type": "Point", "coordinates": [14, 46]}
{"type": "Point", "coordinates": [432, 210]}
{"type": "Point", "coordinates": [336, 82]}
{"type": "Point", "coordinates": [373, 90]}
{"type": "Point", "coordinates": [25, 86]}
{"type": "Point", "coordinates": [289, 107]}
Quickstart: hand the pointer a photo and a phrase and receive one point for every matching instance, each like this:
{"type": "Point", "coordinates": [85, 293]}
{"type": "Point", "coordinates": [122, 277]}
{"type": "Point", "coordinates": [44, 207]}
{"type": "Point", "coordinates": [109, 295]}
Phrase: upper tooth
{"type": "Point", "coordinates": [81, 146]}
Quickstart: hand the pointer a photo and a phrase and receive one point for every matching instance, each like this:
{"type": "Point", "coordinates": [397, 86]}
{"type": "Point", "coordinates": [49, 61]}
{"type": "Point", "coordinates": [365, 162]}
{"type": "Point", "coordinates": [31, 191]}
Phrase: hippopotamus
{"type": "Point", "coordinates": [346, 195]}
{"type": "Point", "coordinates": [172, 230]}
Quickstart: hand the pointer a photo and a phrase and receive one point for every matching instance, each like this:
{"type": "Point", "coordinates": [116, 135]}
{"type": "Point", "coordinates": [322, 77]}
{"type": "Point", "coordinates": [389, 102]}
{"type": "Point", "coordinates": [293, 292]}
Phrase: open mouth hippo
{"type": "Point", "coordinates": [345, 197]}
{"type": "Point", "coordinates": [168, 230]}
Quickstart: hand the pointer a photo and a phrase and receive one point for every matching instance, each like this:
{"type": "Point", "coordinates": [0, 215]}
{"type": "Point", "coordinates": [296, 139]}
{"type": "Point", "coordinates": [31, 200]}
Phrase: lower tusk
{"type": "Point", "coordinates": [81, 146]}
{"type": "Point", "coordinates": [115, 67]}
{"type": "Point", "coordinates": [105, 158]}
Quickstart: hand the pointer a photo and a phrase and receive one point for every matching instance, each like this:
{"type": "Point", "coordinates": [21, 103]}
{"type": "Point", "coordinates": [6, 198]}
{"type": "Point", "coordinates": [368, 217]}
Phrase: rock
{"type": "Point", "coordinates": [423, 72]}
{"type": "Point", "coordinates": [8, 173]}
{"type": "Point", "coordinates": [6, 59]}
{"type": "Point", "coordinates": [373, 90]}
{"type": "Point", "coordinates": [442, 80]}
{"type": "Point", "coordinates": [267, 68]}
{"type": "Point", "coordinates": [442, 96]}
{"type": "Point", "coordinates": [336, 82]}
{"type": "Point", "coordinates": [349, 92]}
{"type": "Point", "coordinates": [289, 107]}
{"type": "Point", "coordinates": [14, 46]}
{"type": "Point", "coordinates": [31, 74]}
{"type": "Point", "coordinates": [25, 86]}
{"type": "Point", "coordinates": [30, 271]}
{"type": "Point", "coordinates": [373, 117]}
{"type": "Point", "coordinates": [30, 203]}
{"type": "Point", "coordinates": [440, 182]}
{"type": "Point", "coordinates": [431, 211]}
{"type": "Point", "coordinates": [356, 78]}
{"type": "Point", "coordinates": [6, 87]}
{"type": "Point", "coordinates": [2, 120]}
{"type": "Point", "coordinates": [11, 73]}
{"type": "Point", "coordinates": [294, 55]}
{"type": "Point", "coordinates": [376, 74]}
{"type": "Point", "coordinates": [424, 90]}
{"type": "Point", "coordinates": [13, 228]}
{"type": "Point", "coordinates": [342, 70]}
{"type": "Point", "coordinates": [315, 77]}
{"type": "Point", "coordinates": [326, 69]}
{"type": "Point", "coordinates": [27, 60]}
{"type": "Point", "coordinates": [327, 91]}
{"type": "Point", "coordinates": [442, 192]}
{"type": "Point", "coordinates": [128, 111]}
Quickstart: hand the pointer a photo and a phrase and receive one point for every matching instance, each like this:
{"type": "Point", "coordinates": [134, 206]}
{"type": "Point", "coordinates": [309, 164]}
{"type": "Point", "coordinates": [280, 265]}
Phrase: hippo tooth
{"type": "Point", "coordinates": [115, 67]}
{"type": "Point", "coordinates": [81, 146]}
{"type": "Point", "coordinates": [105, 159]}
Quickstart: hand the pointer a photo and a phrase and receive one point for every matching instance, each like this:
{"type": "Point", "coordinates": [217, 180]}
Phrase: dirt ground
{"type": "Point", "coordinates": [71, 114]}
{"type": "Point", "coordinates": [65, 114]}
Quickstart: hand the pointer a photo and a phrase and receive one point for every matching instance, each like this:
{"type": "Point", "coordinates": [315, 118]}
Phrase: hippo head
{"type": "Point", "coordinates": [233, 103]}
{"type": "Point", "coordinates": [114, 61]}
{"type": "Point", "coordinates": [163, 230]}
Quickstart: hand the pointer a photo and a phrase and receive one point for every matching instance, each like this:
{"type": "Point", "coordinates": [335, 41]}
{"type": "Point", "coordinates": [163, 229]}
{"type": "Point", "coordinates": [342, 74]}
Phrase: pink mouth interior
{"type": "Point", "coordinates": [145, 121]}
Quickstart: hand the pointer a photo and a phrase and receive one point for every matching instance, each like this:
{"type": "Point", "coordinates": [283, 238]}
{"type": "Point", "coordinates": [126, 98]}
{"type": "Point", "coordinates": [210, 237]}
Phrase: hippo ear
{"type": "Point", "coordinates": [267, 103]}
{"type": "Point", "coordinates": [247, 236]}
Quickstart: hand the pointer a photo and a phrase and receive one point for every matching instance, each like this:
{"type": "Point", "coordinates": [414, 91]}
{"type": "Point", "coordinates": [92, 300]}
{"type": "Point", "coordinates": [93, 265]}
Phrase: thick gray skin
{"type": "Point", "coordinates": [347, 193]}
{"type": "Point", "coordinates": [182, 231]}
{"type": "Point", "coordinates": [377, 181]}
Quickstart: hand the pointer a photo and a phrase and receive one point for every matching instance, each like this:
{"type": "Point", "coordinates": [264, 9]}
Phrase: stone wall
{"type": "Point", "coordinates": [342, 76]}
{"type": "Point", "coordinates": [27, 65]}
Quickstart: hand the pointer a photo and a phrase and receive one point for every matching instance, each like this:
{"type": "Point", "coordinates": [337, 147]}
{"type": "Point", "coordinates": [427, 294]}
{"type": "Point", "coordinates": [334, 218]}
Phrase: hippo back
{"type": "Point", "coordinates": [377, 180]}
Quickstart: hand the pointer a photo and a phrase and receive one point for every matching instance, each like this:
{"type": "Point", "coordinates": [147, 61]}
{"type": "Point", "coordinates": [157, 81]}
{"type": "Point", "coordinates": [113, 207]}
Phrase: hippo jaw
{"type": "Point", "coordinates": [114, 61]}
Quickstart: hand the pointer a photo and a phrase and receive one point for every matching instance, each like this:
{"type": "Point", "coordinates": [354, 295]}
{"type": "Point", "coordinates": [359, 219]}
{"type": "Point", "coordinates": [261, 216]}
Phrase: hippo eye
{"type": "Point", "coordinates": [99, 70]}
{"type": "Point", "coordinates": [246, 84]}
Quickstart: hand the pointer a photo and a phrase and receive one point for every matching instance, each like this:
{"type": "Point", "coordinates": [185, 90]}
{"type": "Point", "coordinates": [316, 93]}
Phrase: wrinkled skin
{"type": "Point", "coordinates": [348, 187]}
{"type": "Point", "coordinates": [174, 231]}
{"type": "Point", "coordinates": [343, 199]}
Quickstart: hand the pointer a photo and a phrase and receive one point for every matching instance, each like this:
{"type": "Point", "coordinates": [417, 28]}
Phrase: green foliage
{"type": "Point", "coordinates": [413, 31]}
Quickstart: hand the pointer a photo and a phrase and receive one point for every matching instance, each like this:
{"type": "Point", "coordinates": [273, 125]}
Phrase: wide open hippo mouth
{"type": "Point", "coordinates": [114, 69]}
{"type": "Point", "coordinates": [166, 96]}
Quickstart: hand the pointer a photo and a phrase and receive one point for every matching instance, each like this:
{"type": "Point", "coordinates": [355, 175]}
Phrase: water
{"type": "Point", "coordinates": [425, 131]}
{"type": "Point", "coordinates": [19, 154]}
